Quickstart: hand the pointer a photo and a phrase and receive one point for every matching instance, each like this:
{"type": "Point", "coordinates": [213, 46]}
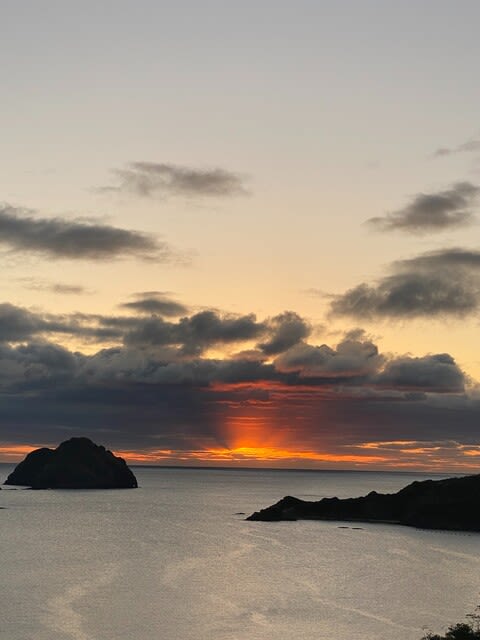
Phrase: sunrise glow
{"type": "Point", "coordinates": [15, 452]}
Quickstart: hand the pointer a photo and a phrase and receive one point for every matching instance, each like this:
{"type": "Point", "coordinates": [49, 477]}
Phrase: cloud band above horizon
{"type": "Point", "coordinates": [281, 396]}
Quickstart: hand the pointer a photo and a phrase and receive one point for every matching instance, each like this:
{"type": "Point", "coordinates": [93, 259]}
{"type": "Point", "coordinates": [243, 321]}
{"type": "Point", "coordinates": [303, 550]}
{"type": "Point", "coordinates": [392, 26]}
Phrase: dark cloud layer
{"type": "Point", "coordinates": [353, 362]}
{"type": "Point", "coordinates": [429, 212]}
{"type": "Point", "coordinates": [435, 284]}
{"type": "Point", "coordinates": [62, 238]}
{"type": "Point", "coordinates": [150, 349]}
{"type": "Point", "coordinates": [157, 388]}
{"type": "Point", "coordinates": [151, 179]}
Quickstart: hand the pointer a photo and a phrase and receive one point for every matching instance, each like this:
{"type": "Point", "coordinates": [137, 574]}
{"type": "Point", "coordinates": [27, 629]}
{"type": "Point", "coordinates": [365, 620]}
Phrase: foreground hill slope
{"type": "Point", "coordinates": [77, 463]}
{"type": "Point", "coordinates": [453, 503]}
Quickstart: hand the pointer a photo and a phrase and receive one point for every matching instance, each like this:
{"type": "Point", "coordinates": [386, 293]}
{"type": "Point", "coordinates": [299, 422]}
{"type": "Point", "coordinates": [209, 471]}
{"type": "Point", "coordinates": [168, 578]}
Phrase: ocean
{"type": "Point", "coordinates": [175, 560]}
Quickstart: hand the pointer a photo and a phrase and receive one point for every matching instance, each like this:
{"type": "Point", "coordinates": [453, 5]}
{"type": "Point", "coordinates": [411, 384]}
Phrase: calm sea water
{"type": "Point", "coordinates": [174, 560]}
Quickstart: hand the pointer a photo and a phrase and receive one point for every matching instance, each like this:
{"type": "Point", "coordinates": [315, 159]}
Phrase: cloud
{"type": "Point", "coordinates": [155, 302]}
{"type": "Point", "coordinates": [408, 296]}
{"type": "Point", "coordinates": [18, 324]}
{"type": "Point", "coordinates": [429, 212]}
{"type": "Point", "coordinates": [67, 289]}
{"type": "Point", "coordinates": [435, 284]}
{"type": "Point", "coordinates": [188, 336]}
{"type": "Point", "coordinates": [132, 399]}
{"type": "Point", "coordinates": [471, 146]}
{"type": "Point", "coordinates": [350, 359]}
{"type": "Point", "coordinates": [355, 363]}
{"type": "Point", "coordinates": [195, 333]}
{"type": "Point", "coordinates": [156, 350]}
{"type": "Point", "coordinates": [286, 330]}
{"type": "Point", "coordinates": [436, 373]}
{"type": "Point", "coordinates": [151, 179]}
{"type": "Point", "coordinates": [452, 258]}
{"type": "Point", "coordinates": [75, 240]}
{"type": "Point", "coordinates": [54, 287]}
{"type": "Point", "coordinates": [158, 390]}
{"type": "Point", "coordinates": [37, 362]}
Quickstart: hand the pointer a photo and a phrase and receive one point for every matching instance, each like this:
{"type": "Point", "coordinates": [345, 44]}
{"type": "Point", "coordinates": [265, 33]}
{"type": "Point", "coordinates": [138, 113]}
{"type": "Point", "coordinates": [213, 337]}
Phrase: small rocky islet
{"type": "Point", "coordinates": [450, 504]}
{"type": "Point", "coordinates": [77, 463]}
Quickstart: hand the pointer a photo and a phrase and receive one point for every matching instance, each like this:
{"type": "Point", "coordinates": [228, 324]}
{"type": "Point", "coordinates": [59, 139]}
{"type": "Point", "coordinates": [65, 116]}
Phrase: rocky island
{"type": "Point", "coordinates": [453, 504]}
{"type": "Point", "coordinates": [77, 463]}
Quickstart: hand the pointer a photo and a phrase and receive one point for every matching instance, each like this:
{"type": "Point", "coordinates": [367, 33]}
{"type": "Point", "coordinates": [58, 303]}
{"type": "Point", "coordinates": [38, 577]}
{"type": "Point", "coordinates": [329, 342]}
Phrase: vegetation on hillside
{"type": "Point", "coordinates": [460, 631]}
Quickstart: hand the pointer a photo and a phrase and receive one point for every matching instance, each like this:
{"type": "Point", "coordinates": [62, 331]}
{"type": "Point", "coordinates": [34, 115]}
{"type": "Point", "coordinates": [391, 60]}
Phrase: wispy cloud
{"type": "Point", "coordinates": [160, 180]}
{"type": "Point", "coordinates": [61, 288]}
{"type": "Point", "coordinates": [155, 302]}
{"type": "Point", "coordinates": [24, 230]}
{"type": "Point", "coordinates": [432, 212]}
{"type": "Point", "coordinates": [471, 146]}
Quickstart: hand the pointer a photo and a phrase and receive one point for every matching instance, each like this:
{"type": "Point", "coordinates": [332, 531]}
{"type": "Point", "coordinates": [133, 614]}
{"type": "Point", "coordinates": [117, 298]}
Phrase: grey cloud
{"type": "Point", "coordinates": [29, 367]}
{"type": "Point", "coordinates": [61, 238]}
{"type": "Point", "coordinates": [151, 179]}
{"type": "Point", "coordinates": [408, 296]}
{"type": "Point", "coordinates": [168, 397]}
{"type": "Point", "coordinates": [286, 330]}
{"type": "Point", "coordinates": [157, 351]}
{"type": "Point", "coordinates": [17, 323]}
{"type": "Point", "coordinates": [452, 258]}
{"type": "Point", "coordinates": [432, 211]}
{"type": "Point", "coordinates": [436, 373]}
{"type": "Point", "coordinates": [207, 327]}
{"type": "Point", "coordinates": [38, 364]}
{"type": "Point", "coordinates": [351, 359]}
{"type": "Point", "coordinates": [190, 335]}
{"type": "Point", "coordinates": [354, 364]}
{"type": "Point", "coordinates": [471, 146]}
{"type": "Point", "coordinates": [195, 333]}
{"type": "Point", "coordinates": [434, 284]}
{"type": "Point", "coordinates": [130, 365]}
{"type": "Point", "coordinates": [156, 303]}
{"type": "Point", "coordinates": [67, 289]}
{"type": "Point", "coordinates": [150, 332]}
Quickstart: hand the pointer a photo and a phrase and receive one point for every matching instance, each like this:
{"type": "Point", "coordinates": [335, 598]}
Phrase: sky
{"type": "Point", "coordinates": [242, 234]}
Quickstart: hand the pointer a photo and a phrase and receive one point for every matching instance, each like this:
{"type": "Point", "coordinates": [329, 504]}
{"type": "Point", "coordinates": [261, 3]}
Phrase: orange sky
{"type": "Point", "coordinates": [253, 441]}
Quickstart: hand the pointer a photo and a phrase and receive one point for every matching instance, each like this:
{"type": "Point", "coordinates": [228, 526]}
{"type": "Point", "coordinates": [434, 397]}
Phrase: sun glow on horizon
{"type": "Point", "coordinates": [14, 453]}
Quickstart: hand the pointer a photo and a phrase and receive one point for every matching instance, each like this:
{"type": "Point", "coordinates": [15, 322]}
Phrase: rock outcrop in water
{"type": "Point", "coordinates": [452, 504]}
{"type": "Point", "coordinates": [77, 463]}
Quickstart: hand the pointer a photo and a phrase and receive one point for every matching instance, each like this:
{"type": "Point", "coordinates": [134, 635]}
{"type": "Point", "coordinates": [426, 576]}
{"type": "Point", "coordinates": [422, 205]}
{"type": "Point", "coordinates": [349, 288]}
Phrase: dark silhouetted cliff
{"type": "Point", "coordinates": [453, 503]}
{"type": "Point", "coordinates": [77, 463]}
